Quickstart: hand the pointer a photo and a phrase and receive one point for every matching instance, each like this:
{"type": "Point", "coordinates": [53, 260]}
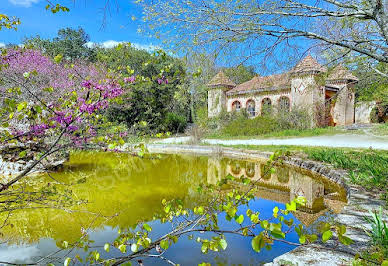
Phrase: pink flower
{"type": "Point", "coordinates": [130, 79]}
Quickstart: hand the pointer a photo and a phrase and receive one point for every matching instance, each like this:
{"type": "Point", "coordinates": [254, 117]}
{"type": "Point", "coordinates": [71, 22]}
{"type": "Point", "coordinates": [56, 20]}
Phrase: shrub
{"type": "Point", "coordinates": [298, 118]}
{"type": "Point", "coordinates": [175, 123]}
{"type": "Point", "coordinates": [238, 124]}
{"type": "Point", "coordinates": [242, 126]}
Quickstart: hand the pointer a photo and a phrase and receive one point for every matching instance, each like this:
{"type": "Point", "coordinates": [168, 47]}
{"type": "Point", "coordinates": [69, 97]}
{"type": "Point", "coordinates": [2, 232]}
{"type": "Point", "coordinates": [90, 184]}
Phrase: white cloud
{"type": "Point", "coordinates": [23, 3]}
{"type": "Point", "coordinates": [20, 254]}
{"type": "Point", "coordinates": [112, 43]}
{"type": "Point", "coordinates": [2, 44]}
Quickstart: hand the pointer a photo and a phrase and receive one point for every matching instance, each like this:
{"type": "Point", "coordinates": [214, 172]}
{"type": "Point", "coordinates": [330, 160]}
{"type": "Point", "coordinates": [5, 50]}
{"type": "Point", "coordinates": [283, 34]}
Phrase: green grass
{"type": "Point", "coordinates": [283, 133]}
{"type": "Point", "coordinates": [367, 168]}
{"type": "Point", "coordinates": [381, 130]}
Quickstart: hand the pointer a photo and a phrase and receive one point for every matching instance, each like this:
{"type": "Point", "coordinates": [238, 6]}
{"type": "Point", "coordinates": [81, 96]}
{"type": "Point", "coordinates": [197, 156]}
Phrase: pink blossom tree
{"type": "Point", "coordinates": [56, 104]}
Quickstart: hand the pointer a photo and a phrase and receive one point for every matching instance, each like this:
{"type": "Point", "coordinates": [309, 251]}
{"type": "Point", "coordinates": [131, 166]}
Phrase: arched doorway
{"type": "Point", "coordinates": [284, 104]}
{"type": "Point", "coordinates": [251, 109]}
{"type": "Point", "coordinates": [266, 106]}
{"type": "Point", "coordinates": [236, 106]}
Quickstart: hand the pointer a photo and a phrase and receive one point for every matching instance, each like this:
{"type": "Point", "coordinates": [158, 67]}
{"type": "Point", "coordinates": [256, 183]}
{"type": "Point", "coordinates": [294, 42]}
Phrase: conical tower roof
{"type": "Point", "coordinates": [308, 64]}
{"type": "Point", "coordinates": [221, 80]}
{"type": "Point", "coordinates": [341, 73]}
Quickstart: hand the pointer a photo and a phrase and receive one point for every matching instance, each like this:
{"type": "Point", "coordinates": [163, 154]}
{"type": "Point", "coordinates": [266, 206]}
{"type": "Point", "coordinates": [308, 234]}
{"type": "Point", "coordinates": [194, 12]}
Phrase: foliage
{"type": "Point", "coordinates": [226, 197]}
{"type": "Point", "coordinates": [145, 107]}
{"type": "Point", "coordinates": [379, 232]}
{"type": "Point", "coordinates": [240, 73]}
{"type": "Point", "coordinates": [8, 22]}
{"type": "Point", "coordinates": [368, 168]}
{"type": "Point", "coordinates": [238, 123]}
{"type": "Point", "coordinates": [70, 43]}
{"type": "Point", "coordinates": [270, 27]}
{"type": "Point", "coordinates": [72, 119]}
{"type": "Point", "coordinates": [175, 123]}
{"type": "Point", "coordinates": [372, 86]}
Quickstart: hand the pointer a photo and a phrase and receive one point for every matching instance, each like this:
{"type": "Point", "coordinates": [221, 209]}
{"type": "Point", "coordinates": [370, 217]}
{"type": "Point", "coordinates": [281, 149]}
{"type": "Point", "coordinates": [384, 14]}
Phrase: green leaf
{"type": "Point", "coordinates": [385, 263]}
{"type": "Point", "coordinates": [276, 230]}
{"type": "Point", "coordinates": [205, 247]}
{"type": "Point", "coordinates": [164, 244]}
{"type": "Point", "coordinates": [240, 219]}
{"type": "Point", "coordinates": [341, 229]}
{"type": "Point", "coordinates": [312, 238]}
{"type": "Point", "coordinates": [199, 210]}
{"type": "Point", "coordinates": [345, 240]}
{"type": "Point", "coordinates": [291, 206]}
{"type": "Point", "coordinates": [67, 262]}
{"type": "Point", "coordinates": [147, 227]}
{"type": "Point", "coordinates": [255, 218]}
{"type": "Point", "coordinates": [275, 211]}
{"type": "Point", "coordinates": [96, 256]}
{"type": "Point", "coordinates": [22, 106]}
{"type": "Point", "coordinates": [300, 200]}
{"type": "Point", "coordinates": [123, 248]}
{"type": "Point", "coordinates": [22, 154]}
{"type": "Point", "coordinates": [264, 224]}
{"type": "Point", "coordinates": [258, 242]}
{"type": "Point", "coordinates": [58, 58]}
{"type": "Point", "coordinates": [106, 247]}
{"type": "Point", "coordinates": [326, 236]}
{"type": "Point", "coordinates": [223, 243]}
{"type": "Point", "coordinates": [302, 239]}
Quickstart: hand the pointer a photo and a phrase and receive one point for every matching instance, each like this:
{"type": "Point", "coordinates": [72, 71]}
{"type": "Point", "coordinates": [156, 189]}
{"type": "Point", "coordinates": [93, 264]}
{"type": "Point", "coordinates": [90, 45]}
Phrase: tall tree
{"type": "Point", "coordinates": [355, 25]}
{"type": "Point", "coordinates": [158, 102]}
{"type": "Point", "coordinates": [70, 43]}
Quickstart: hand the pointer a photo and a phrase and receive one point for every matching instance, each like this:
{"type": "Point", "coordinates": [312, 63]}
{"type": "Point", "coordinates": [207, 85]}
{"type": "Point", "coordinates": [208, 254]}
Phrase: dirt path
{"type": "Point", "coordinates": [344, 141]}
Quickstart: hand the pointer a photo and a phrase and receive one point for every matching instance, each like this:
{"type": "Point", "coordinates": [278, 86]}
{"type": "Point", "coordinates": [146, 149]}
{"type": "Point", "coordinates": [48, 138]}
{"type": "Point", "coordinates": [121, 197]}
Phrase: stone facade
{"type": "Point", "coordinates": [331, 99]}
{"type": "Point", "coordinates": [363, 112]}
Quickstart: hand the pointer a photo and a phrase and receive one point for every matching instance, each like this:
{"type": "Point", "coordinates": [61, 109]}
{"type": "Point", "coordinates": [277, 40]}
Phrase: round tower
{"type": "Point", "coordinates": [218, 87]}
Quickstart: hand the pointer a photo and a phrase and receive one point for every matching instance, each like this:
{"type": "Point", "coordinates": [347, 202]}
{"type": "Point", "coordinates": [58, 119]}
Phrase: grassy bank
{"type": "Point", "coordinates": [367, 168]}
{"type": "Point", "coordinates": [282, 133]}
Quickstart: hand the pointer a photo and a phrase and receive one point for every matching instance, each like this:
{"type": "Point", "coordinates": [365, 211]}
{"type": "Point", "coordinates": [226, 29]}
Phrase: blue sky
{"type": "Point", "coordinates": [85, 13]}
{"type": "Point", "coordinates": [88, 14]}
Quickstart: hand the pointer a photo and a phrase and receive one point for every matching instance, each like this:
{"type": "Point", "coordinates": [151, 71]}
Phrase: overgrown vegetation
{"type": "Point", "coordinates": [278, 124]}
{"type": "Point", "coordinates": [368, 168]}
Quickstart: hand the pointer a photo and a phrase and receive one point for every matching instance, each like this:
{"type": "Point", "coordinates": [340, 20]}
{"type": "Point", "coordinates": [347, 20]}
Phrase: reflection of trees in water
{"type": "Point", "coordinates": [122, 184]}
{"type": "Point", "coordinates": [265, 172]}
{"type": "Point", "coordinates": [250, 169]}
{"type": "Point", "coordinates": [283, 174]}
{"type": "Point", "coordinates": [236, 167]}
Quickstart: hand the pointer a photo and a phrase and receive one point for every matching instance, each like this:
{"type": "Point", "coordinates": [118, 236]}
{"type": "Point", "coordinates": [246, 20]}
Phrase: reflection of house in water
{"type": "Point", "coordinates": [285, 184]}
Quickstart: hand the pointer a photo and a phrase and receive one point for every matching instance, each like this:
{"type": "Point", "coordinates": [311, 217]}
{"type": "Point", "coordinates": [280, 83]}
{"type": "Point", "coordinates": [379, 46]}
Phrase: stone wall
{"type": "Point", "coordinates": [216, 101]}
{"type": "Point", "coordinates": [258, 98]}
{"type": "Point", "coordinates": [363, 111]}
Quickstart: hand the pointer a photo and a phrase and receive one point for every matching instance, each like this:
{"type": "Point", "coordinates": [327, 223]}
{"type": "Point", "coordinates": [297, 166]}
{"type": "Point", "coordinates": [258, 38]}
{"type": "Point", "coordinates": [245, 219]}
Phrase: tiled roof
{"type": "Point", "coordinates": [220, 80]}
{"type": "Point", "coordinates": [267, 83]}
{"type": "Point", "coordinates": [308, 64]}
{"type": "Point", "coordinates": [341, 73]}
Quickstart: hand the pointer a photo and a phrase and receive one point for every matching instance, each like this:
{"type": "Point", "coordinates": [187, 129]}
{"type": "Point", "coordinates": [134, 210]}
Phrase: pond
{"type": "Point", "coordinates": [122, 190]}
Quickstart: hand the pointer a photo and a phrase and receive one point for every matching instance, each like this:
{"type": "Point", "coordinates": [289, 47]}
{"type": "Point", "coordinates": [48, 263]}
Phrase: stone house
{"type": "Point", "coordinates": [328, 96]}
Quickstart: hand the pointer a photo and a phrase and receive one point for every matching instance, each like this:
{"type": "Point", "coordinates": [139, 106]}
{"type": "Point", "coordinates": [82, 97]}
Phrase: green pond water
{"type": "Point", "coordinates": [129, 189]}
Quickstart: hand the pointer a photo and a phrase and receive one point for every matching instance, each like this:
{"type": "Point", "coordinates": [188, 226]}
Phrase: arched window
{"type": "Point", "coordinates": [265, 172]}
{"type": "Point", "coordinates": [236, 168]}
{"type": "Point", "coordinates": [251, 108]}
{"type": "Point", "coordinates": [266, 106]}
{"type": "Point", "coordinates": [250, 169]}
{"type": "Point", "coordinates": [236, 106]}
{"type": "Point", "coordinates": [283, 174]}
{"type": "Point", "coordinates": [284, 104]}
